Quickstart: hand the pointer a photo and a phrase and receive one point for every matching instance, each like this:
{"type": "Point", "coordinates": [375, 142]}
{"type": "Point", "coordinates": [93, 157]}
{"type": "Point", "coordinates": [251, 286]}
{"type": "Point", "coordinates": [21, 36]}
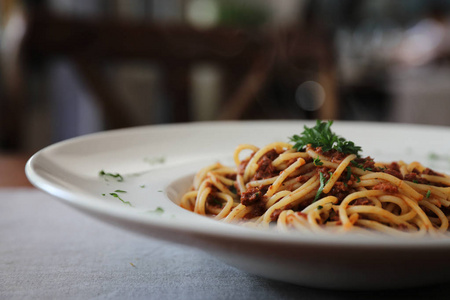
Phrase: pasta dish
{"type": "Point", "coordinates": [318, 182]}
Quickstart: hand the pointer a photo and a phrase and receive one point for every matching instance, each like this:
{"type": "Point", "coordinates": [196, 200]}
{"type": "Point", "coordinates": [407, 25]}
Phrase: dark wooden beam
{"type": "Point", "coordinates": [50, 35]}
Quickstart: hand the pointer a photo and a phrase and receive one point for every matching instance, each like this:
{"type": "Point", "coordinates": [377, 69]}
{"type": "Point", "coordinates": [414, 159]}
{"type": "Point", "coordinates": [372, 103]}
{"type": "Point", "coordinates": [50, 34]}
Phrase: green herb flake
{"type": "Point", "coordinates": [319, 207]}
{"type": "Point", "coordinates": [232, 189]}
{"type": "Point", "coordinates": [433, 156]}
{"type": "Point", "coordinates": [158, 211]}
{"type": "Point", "coordinates": [428, 194]}
{"type": "Point", "coordinates": [321, 136]}
{"type": "Point", "coordinates": [155, 160]}
{"type": "Point", "coordinates": [317, 162]}
{"type": "Point", "coordinates": [360, 166]}
{"type": "Point", "coordinates": [116, 176]}
{"type": "Point", "coordinates": [349, 174]}
{"type": "Point", "coordinates": [322, 185]}
{"type": "Point", "coordinates": [218, 202]}
{"type": "Point", "coordinates": [142, 186]}
{"type": "Point", "coordinates": [120, 191]}
{"type": "Point", "coordinates": [118, 197]}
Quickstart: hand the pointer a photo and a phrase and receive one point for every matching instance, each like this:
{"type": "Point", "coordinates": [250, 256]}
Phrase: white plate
{"type": "Point", "coordinates": [157, 164]}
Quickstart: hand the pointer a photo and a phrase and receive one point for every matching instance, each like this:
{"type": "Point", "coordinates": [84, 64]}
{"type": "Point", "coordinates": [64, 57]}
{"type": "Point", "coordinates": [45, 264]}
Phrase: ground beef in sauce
{"type": "Point", "coordinates": [387, 187]}
{"type": "Point", "coordinates": [362, 201]}
{"type": "Point", "coordinates": [394, 173]}
{"type": "Point", "coordinates": [242, 166]}
{"type": "Point", "coordinates": [231, 176]}
{"type": "Point", "coordinates": [365, 163]}
{"type": "Point", "coordinates": [337, 157]}
{"type": "Point", "coordinates": [325, 172]}
{"type": "Point", "coordinates": [340, 190]}
{"type": "Point", "coordinates": [334, 216]}
{"type": "Point", "coordinates": [301, 206]}
{"type": "Point", "coordinates": [416, 179]}
{"type": "Point", "coordinates": [333, 155]}
{"type": "Point", "coordinates": [342, 187]}
{"type": "Point", "coordinates": [258, 209]}
{"type": "Point", "coordinates": [251, 196]}
{"type": "Point", "coordinates": [428, 171]}
{"type": "Point", "coordinates": [265, 167]}
{"type": "Point", "coordinates": [394, 166]}
{"type": "Point", "coordinates": [276, 213]}
{"type": "Point", "coordinates": [301, 179]}
{"type": "Point", "coordinates": [213, 201]}
{"type": "Point", "coordinates": [393, 169]}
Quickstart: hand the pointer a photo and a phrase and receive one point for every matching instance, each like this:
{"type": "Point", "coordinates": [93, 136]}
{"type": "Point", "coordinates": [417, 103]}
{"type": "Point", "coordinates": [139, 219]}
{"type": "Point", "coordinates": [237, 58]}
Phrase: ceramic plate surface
{"type": "Point", "coordinates": [156, 165]}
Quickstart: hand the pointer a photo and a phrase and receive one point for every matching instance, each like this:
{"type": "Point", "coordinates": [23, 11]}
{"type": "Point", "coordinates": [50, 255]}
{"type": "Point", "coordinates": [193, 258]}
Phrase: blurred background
{"type": "Point", "coordinates": [72, 67]}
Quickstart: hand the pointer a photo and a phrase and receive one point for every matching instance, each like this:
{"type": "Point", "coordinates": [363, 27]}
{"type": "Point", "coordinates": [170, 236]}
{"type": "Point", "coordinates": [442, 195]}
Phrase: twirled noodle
{"type": "Point", "coordinates": [317, 191]}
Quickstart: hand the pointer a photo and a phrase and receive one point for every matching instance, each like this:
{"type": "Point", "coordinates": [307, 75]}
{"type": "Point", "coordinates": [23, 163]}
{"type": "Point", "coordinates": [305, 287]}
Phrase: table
{"type": "Point", "coordinates": [12, 168]}
{"type": "Point", "coordinates": [51, 251]}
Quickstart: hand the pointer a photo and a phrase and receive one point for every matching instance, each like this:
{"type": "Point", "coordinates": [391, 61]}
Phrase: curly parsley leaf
{"type": "Point", "coordinates": [321, 136]}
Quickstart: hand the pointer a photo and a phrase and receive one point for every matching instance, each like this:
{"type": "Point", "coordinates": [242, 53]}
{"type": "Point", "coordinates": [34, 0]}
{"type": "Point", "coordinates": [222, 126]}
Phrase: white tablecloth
{"type": "Point", "coordinates": [51, 251]}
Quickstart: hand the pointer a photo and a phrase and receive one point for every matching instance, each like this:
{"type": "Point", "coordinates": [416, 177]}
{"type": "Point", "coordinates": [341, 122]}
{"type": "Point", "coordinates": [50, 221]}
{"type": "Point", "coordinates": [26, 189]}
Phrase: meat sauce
{"type": "Point", "coordinates": [254, 196]}
{"type": "Point", "coordinates": [342, 188]}
{"type": "Point", "coordinates": [265, 168]}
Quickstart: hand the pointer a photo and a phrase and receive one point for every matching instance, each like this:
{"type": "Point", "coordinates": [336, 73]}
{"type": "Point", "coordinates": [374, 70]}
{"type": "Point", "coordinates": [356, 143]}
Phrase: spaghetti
{"type": "Point", "coordinates": [321, 185]}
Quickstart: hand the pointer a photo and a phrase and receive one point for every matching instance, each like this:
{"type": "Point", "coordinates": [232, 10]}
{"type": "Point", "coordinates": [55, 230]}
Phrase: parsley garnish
{"type": "Point", "coordinates": [232, 189]}
{"type": "Point", "coordinates": [157, 211]}
{"type": "Point", "coordinates": [360, 166]}
{"type": "Point", "coordinates": [319, 207]}
{"type": "Point", "coordinates": [428, 194]}
{"type": "Point", "coordinates": [317, 162]}
{"type": "Point", "coordinates": [322, 136]}
{"type": "Point", "coordinates": [349, 173]}
{"type": "Point", "coordinates": [155, 160]}
{"type": "Point", "coordinates": [117, 196]}
{"type": "Point", "coordinates": [322, 185]}
{"type": "Point", "coordinates": [116, 176]}
{"type": "Point", "coordinates": [356, 164]}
